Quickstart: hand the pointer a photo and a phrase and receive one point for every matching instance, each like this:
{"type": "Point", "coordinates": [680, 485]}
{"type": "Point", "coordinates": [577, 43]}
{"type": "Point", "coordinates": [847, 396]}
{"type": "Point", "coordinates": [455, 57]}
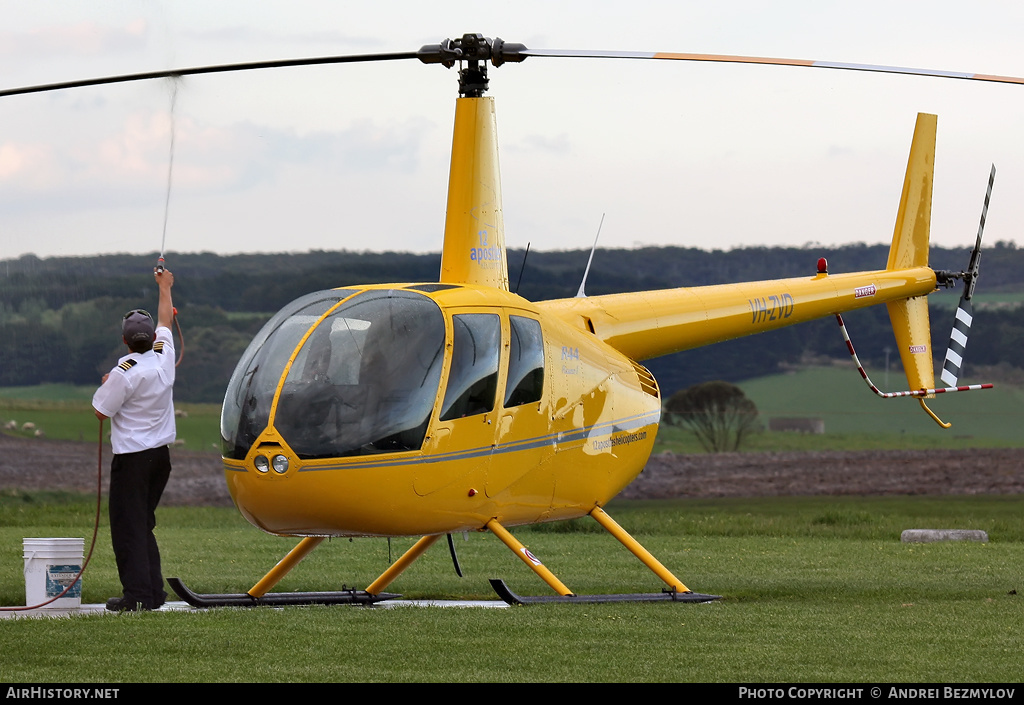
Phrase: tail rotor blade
{"type": "Point", "coordinates": [957, 342]}
{"type": "Point", "coordinates": [965, 309]}
{"type": "Point", "coordinates": [971, 275]}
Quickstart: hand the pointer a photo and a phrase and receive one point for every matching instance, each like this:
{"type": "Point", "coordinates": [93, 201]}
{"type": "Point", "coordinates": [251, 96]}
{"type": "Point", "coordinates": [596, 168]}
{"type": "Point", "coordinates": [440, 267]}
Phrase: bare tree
{"type": "Point", "coordinates": [718, 412]}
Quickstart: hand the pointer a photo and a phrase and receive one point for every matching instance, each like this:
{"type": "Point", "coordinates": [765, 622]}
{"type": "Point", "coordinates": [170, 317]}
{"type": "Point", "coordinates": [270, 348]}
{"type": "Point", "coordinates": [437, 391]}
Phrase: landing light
{"type": "Point", "coordinates": [261, 463]}
{"type": "Point", "coordinates": [280, 463]}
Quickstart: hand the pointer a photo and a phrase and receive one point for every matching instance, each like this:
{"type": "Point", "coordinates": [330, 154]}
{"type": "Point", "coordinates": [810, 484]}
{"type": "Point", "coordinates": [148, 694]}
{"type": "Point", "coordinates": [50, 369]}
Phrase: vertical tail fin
{"type": "Point", "coordinates": [913, 222]}
{"type": "Point", "coordinates": [909, 251]}
{"type": "Point", "coordinates": [909, 317]}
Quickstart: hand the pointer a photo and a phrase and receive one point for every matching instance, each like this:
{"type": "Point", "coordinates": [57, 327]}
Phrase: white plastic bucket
{"type": "Point", "coordinates": [50, 566]}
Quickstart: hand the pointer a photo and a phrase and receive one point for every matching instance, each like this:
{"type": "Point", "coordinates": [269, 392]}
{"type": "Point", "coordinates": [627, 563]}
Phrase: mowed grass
{"type": "Point", "coordinates": [814, 590]}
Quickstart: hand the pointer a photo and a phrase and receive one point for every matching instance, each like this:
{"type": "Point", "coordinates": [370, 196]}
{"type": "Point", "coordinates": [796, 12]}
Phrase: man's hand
{"type": "Point", "coordinates": [163, 278]}
{"type": "Point", "coordinates": [165, 308]}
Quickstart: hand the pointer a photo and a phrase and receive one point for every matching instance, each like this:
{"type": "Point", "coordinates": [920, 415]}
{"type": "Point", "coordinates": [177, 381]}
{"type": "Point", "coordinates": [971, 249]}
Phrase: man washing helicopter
{"type": "Point", "coordinates": [137, 397]}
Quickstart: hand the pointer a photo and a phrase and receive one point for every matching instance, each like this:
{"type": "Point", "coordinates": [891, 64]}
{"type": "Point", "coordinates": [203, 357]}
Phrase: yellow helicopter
{"type": "Point", "coordinates": [427, 409]}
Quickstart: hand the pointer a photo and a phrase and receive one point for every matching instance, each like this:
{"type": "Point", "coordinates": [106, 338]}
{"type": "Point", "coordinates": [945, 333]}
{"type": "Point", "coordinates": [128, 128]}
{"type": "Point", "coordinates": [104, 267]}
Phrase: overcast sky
{"type": "Point", "coordinates": [356, 156]}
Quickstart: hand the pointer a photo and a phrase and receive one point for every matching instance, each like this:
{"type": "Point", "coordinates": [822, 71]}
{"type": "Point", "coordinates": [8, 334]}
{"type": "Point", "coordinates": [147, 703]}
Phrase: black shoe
{"type": "Point", "coordinates": [124, 604]}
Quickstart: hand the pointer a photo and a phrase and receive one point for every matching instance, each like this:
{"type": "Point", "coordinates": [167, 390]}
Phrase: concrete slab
{"type": "Point", "coordinates": [492, 604]}
{"type": "Point", "coordinates": [47, 612]}
{"type": "Point", "coordinates": [933, 535]}
{"type": "Point", "coordinates": [50, 613]}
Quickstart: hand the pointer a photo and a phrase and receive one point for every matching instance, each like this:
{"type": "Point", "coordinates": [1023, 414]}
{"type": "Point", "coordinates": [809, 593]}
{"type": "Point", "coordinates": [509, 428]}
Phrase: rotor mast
{"type": "Point", "coordinates": [474, 232]}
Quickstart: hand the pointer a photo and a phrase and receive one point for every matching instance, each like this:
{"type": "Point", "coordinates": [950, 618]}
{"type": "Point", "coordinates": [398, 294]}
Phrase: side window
{"type": "Point", "coordinates": [473, 378]}
{"type": "Point", "coordinates": [525, 382]}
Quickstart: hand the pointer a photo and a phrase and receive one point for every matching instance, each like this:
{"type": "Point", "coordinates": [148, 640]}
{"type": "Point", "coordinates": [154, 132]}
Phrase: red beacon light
{"type": "Point", "coordinates": [822, 265]}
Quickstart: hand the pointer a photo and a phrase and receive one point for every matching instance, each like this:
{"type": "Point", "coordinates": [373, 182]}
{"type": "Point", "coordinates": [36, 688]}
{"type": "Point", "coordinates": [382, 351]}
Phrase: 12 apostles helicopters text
{"type": "Point", "coordinates": [423, 409]}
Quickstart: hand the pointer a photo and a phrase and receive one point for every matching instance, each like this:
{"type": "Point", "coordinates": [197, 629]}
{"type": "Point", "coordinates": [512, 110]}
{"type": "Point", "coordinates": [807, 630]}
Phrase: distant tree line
{"type": "Point", "coordinates": [60, 316]}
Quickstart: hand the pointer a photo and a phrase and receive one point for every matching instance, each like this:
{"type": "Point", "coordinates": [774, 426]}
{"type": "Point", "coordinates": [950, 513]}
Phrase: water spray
{"type": "Point", "coordinates": [174, 80]}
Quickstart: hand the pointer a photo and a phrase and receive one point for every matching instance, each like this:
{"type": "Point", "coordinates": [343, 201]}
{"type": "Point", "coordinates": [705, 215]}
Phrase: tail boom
{"type": "Point", "coordinates": [652, 323]}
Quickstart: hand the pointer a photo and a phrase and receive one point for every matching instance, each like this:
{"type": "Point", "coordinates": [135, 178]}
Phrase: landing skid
{"type": "Point", "coordinates": [277, 599]}
{"type": "Point", "coordinates": [513, 599]}
{"type": "Point", "coordinates": [676, 592]}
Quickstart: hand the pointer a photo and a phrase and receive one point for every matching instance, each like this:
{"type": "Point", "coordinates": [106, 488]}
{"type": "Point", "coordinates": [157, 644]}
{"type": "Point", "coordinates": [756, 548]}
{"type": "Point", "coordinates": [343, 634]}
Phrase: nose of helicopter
{"type": "Point", "coordinates": [336, 375]}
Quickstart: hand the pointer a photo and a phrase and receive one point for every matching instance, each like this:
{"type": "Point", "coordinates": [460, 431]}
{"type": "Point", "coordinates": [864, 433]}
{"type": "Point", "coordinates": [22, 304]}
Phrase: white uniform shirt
{"type": "Point", "coordinates": [138, 398]}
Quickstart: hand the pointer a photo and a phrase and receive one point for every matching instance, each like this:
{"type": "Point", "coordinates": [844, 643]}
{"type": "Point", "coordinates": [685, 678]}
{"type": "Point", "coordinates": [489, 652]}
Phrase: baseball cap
{"type": "Point", "coordinates": [137, 326]}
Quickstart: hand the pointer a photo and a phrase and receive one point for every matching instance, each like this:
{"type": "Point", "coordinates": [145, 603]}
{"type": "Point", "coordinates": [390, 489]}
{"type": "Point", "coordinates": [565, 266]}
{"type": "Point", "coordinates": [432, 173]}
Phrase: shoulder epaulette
{"type": "Point", "coordinates": [128, 364]}
{"type": "Point", "coordinates": [158, 347]}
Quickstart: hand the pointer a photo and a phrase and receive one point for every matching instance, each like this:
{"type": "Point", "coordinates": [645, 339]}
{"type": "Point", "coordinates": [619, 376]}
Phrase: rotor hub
{"type": "Point", "coordinates": [472, 52]}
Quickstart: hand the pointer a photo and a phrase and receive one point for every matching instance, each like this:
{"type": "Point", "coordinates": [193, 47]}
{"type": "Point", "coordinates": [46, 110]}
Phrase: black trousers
{"type": "Point", "coordinates": [137, 481]}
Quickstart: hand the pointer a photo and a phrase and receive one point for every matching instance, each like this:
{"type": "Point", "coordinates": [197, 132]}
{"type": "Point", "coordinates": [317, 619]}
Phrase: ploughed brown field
{"type": "Point", "coordinates": [198, 478]}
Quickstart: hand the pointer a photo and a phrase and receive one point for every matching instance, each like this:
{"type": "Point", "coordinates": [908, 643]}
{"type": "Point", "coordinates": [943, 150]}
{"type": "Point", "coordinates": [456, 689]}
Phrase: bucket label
{"type": "Point", "coordinates": [59, 577]}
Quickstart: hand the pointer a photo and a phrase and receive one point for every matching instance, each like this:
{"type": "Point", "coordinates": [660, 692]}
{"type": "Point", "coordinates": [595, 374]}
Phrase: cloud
{"type": "Point", "coordinates": [554, 145]}
{"type": "Point", "coordinates": [128, 164]}
{"type": "Point", "coordinates": [84, 38]}
{"type": "Point", "coordinates": [26, 165]}
{"type": "Point", "coordinates": [251, 36]}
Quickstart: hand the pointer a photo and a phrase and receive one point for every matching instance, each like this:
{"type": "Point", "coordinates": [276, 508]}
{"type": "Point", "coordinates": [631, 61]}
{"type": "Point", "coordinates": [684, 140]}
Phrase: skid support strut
{"type": "Point", "coordinates": [612, 527]}
{"type": "Point", "coordinates": [676, 592]}
{"type": "Point", "coordinates": [399, 566]}
{"type": "Point", "coordinates": [268, 581]}
{"type": "Point", "coordinates": [528, 558]}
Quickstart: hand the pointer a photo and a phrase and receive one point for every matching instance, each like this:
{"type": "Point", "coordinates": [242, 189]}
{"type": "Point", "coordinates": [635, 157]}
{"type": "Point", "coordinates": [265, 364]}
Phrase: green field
{"type": "Point", "coordinates": [840, 397]}
{"type": "Point", "coordinates": [64, 412]}
{"type": "Point", "coordinates": [855, 419]}
{"type": "Point", "coordinates": [948, 300]}
{"type": "Point", "coordinates": [814, 590]}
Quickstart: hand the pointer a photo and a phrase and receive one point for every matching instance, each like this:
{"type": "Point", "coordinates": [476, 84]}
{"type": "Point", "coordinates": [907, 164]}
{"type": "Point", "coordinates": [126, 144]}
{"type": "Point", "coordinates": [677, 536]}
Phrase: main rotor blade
{"type": "Point", "coordinates": [223, 68]}
{"type": "Point", "coordinates": [722, 58]}
{"type": "Point", "coordinates": [501, 52]}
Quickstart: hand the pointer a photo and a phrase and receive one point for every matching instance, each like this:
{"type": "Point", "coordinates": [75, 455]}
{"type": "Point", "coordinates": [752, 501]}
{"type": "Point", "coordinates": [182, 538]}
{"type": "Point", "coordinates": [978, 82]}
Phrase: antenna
{"type": "Point", "coordinates": [522, 269]}
{"type": "Point", "coordinates": [580, 294]}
